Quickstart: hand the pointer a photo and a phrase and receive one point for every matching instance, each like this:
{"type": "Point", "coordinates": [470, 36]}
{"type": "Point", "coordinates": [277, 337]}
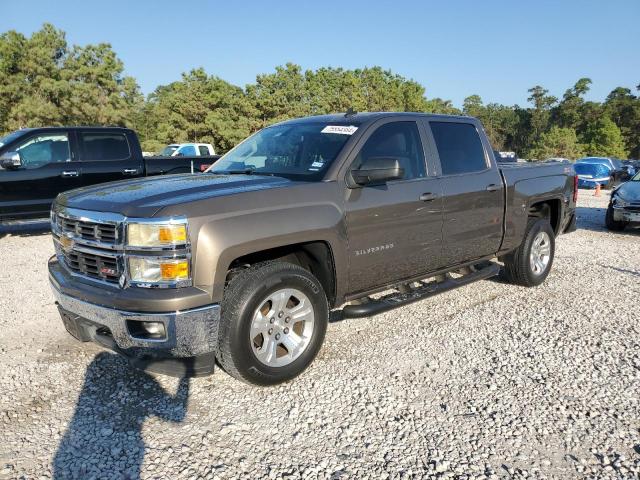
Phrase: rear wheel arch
{"type": "Point", "coordinates": [550, 209]}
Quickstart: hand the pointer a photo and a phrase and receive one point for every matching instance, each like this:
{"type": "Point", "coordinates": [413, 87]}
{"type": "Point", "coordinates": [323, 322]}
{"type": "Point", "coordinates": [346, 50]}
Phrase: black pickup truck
{"type": "Point", "coordinates": [36, 164]}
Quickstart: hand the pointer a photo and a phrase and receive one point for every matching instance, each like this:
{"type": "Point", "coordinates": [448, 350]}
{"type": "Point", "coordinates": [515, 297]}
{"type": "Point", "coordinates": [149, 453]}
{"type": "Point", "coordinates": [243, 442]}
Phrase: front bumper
{"type": "Point", "coordinates": [190, 333]}
{"type": "Point", "coordinates": [621, 214]}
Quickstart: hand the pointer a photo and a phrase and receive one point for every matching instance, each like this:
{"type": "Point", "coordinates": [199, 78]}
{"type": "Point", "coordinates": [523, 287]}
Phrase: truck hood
{"type": "Point", "coordinates": [630, 191]}
{"type": "Point", "coordinates": [144, 197]}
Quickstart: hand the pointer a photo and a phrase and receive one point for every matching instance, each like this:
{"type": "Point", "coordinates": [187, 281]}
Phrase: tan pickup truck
{"type": "Point", "coordinates": [242, 264]}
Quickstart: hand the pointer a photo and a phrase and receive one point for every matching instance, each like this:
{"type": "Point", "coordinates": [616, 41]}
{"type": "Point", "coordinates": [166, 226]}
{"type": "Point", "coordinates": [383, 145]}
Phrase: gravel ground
{"type": "Point", "coordinates": [489, 381]}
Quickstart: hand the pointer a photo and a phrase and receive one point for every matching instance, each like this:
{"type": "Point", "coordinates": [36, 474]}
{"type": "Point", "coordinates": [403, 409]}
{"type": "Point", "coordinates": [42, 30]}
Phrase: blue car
{"type": "Point", "coordinates": [592, 174]}
{"type": "Point", "coordinates": [619, 172]}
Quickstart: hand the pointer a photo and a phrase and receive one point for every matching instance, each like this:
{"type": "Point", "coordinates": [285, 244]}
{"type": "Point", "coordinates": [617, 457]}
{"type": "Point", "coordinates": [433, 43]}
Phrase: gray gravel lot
{"type": "Point", "coordinates": [489, 381]}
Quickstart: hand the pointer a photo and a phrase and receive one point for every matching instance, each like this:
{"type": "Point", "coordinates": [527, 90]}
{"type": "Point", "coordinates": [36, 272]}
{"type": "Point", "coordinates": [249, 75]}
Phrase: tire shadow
{"type": "Point", "coordinates": [112, 407]}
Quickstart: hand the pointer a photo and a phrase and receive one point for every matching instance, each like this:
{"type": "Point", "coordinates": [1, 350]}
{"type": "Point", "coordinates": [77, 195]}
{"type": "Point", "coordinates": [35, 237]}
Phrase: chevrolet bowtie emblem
{"type": "Point", "coordinates": [66, 243]}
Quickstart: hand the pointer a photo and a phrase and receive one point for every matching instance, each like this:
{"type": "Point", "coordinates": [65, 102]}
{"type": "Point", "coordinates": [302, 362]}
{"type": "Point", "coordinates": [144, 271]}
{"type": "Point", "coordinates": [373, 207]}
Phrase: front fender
{"type": "Point", "coordinates": [221, 240]}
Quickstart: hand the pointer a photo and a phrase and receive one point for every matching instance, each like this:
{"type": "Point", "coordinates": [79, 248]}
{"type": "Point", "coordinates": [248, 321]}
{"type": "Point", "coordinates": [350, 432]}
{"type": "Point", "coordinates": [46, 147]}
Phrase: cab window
{"type": "Point", "coordinates": [397, 140]}
{"type": "Point", "coordinates": [104, 146]}
{"type": "Point", "coordinates": [203, 150]}
{"type": "Point", "coordinates": [43, 149]}
{"type": "Point", "coordinates": [459, 147]}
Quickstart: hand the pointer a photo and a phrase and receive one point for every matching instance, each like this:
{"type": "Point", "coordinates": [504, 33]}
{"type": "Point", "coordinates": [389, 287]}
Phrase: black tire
{"type": "Point", "coordinates": [517, 265]}
{"type": "Point", "coordinates": [242, 298]}
{"type": "Point", "coordinates": [613, 225]}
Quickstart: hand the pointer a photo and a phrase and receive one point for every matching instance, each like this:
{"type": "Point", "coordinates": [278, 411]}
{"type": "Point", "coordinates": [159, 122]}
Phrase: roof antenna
{"type": "Point", "coordinates": [350, 112]}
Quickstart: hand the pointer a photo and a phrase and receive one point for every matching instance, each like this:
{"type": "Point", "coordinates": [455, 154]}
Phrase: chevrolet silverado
{"type": "Point", "coordinates": [242, 265]}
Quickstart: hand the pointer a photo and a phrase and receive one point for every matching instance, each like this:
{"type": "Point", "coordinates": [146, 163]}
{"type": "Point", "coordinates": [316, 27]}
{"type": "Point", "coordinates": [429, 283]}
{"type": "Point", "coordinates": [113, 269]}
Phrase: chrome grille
{"type": "Point", "coordinates": [92, 245]}
{"type": "Point", "coordinates": [100, 267]}
{"type": "Point", "coordinates": [99, 232]}
{"type": "Point", "coordinates": [634, 207]}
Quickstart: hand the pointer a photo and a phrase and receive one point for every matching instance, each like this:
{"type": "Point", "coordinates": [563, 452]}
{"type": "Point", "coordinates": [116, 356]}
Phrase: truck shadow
{"type": "Point", "coordinates": [633, 273]}
{"type": "Point", "coordinates": [26, 229]}
{"type": "Point", "coordinates": [104, 437]}
{"type": "Point", "coordinates": [590, 219]}
{"type": "Point", "coordinates": [593, 219]}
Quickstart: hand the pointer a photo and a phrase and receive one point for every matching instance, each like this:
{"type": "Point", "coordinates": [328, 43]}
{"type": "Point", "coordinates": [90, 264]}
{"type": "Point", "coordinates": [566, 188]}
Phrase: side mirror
{"type": "Point", "coordinates": [10, 160]}
{"type": "Point", "coordinates": [377, 170]}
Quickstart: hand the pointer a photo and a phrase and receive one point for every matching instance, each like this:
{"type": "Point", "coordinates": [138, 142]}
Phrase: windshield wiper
{"type": "Point", "coordinates": [238, 171]}
{"type": "Point", "coordinates": [246, 171]}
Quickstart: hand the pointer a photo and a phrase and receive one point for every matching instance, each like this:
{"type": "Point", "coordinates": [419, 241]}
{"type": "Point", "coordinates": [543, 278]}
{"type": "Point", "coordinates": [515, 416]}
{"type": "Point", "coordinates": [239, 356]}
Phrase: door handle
{"type": "Point", "coordinates": [428, 197]}
{"type": "Point", "coordinates": [69, 173]}
{"type": "Point", "coordinates": [492, 188]}
{"type": "Point", "coordinates": [130, 171]}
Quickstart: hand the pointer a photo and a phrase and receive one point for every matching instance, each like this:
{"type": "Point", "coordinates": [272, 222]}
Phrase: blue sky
{"type": "Point", "coordinates": [497, 49]}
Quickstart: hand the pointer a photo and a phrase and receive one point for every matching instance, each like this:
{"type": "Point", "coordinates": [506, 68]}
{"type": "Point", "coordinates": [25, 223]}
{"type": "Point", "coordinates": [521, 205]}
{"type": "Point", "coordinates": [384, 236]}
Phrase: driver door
{"type": "Point", "coordinates": [47, 169]}
{"type": "Point", "coordinates": [394, 230]}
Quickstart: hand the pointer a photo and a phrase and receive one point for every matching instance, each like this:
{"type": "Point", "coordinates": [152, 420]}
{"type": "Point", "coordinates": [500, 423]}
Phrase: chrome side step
{"type": "Point", "coordinates": [408, 294]}
{"type": "Point", "coordinates": [44, 222]}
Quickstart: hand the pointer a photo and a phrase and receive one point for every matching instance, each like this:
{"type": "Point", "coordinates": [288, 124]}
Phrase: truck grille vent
{"type": "Point", "coordinates": [634, 207]}
{"type": "Point", "coordinates": [95, 266]}
{"type": "Point", "coordinates": [99, 232]}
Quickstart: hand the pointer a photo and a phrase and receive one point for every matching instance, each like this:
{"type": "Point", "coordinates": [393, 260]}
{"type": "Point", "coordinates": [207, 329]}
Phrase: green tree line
{"type": "Point", "coordinates": [45, 81]}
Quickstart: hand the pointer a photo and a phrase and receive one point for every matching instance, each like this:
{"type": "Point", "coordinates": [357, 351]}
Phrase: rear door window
{"type": "Point", "coordinates": [459, 147]}
{"type": "Point", "coordinates": [104, 146]}
{"type": "Point", "coordinates": [203, 150]}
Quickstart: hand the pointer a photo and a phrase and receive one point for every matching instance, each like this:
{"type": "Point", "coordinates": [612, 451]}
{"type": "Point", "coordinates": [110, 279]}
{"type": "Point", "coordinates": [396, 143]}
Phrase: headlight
{"type": "Point", "coordinates": [156, 235]}
{"type": "Point", "coordinates": [158, 270]}
{"type": "Point", "coordinates": [620, 202]}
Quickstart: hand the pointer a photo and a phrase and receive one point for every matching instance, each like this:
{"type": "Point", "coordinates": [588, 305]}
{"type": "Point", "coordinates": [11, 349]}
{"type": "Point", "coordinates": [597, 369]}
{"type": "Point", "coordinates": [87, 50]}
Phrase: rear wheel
{"type": "Point", "coordinates": [613, 225]}
{"type": "Point", "coordinates": [273, 321]}
{"type": "Point", "coordinates": [531, 263]}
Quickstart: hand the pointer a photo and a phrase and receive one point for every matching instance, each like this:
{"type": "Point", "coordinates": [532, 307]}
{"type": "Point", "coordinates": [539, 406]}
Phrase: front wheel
{"type": "Point", "coordinates": [273, 320]}
{"type": "Point", "coordinates": [531, 263]}
{"type": "Point", "coordinates": [613, 225]}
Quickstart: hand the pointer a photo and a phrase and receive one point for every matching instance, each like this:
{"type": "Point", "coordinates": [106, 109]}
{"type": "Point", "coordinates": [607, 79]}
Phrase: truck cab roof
{"type": "Point", "coordinates": [366, 117]}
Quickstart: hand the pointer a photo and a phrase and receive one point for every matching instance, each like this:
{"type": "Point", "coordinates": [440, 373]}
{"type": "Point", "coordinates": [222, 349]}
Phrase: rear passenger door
{"type": "Point", "coordinates": [106, 156]}
{"type": "Point", "coordinates": [473, 202]}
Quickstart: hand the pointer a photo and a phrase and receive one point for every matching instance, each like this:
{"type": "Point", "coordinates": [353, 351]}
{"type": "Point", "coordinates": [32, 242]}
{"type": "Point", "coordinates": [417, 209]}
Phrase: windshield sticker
{"type": "Point", "coordinates": [316, 166]}
{"type": "Point", "coordinates": [341, 129]}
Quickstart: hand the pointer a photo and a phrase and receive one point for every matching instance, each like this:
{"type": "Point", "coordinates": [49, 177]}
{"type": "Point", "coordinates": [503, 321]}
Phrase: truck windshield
{"type": "Point", "coordinates": [592, 170]}
{"type": "Point", "coordinates": [301, 151]}
{"type": "Point", "coordinates": [168, 150]}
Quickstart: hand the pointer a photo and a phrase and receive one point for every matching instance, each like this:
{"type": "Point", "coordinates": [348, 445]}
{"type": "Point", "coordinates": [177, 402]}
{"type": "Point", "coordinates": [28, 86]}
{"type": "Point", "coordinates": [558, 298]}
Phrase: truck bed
{"type": "Point", "coordinates": [532, 182]}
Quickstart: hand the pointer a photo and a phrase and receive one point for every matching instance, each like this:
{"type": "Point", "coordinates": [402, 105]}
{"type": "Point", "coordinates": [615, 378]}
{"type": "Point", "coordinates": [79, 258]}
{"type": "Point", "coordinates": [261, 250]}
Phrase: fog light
{"type": "Point", "coordinates": [153, 328]}
{"type": "Point", "coordinates": [146, 330]}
